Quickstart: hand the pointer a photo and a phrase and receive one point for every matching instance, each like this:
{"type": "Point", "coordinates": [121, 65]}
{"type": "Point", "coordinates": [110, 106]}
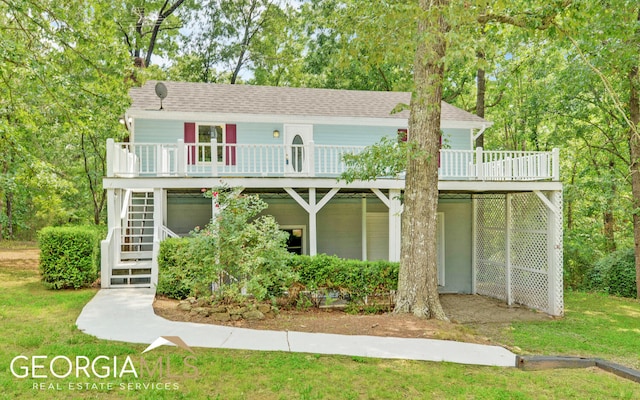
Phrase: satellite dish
{"type": "Point", "coordinates": [161, 91]}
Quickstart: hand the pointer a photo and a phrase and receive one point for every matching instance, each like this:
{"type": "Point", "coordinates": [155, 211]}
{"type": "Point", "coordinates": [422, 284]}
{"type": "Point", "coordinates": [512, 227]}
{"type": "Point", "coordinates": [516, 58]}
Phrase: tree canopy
{"type": "Point", "coordinates": [549, 74]}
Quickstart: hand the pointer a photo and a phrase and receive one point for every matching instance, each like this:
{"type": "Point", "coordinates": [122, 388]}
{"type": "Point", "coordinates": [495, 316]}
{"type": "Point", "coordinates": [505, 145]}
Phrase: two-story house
{"type": "Point", "coordinates": [499, 214]}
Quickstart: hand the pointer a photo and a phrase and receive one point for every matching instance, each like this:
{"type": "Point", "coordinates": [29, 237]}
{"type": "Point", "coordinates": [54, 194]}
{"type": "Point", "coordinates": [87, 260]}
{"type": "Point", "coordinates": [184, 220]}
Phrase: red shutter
{"type": "Point", "coordinates": [439, 148]}
{"type": "Point", "coordinates": [403, 135]}
{"type": "Point", "coordinates": [230, 141]}
{"type": "Point", "coordinates": [190, 137]}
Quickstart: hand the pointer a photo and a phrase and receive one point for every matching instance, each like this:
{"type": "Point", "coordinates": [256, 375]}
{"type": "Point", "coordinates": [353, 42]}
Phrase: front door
{"type": "Point", "coordinates": [297, 139]}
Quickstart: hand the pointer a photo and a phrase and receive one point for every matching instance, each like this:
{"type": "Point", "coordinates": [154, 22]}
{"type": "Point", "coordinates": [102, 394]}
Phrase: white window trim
{"type": "Point", "coordinates": [304, 235]}
{"type": "Point", "coordinates": [224, 141]}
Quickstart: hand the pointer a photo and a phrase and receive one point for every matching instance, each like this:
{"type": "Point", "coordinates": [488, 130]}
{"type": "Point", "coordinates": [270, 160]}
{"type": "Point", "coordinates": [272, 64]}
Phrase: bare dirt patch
{"type": "Point", "coordinates": [476, 319]}
{"type": "Point", "coordinates": [25, 259]}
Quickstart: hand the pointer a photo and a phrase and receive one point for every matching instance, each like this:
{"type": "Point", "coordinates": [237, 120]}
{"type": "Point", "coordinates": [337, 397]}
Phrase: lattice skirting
{"type": "Point", "coordinates": [518, 249]}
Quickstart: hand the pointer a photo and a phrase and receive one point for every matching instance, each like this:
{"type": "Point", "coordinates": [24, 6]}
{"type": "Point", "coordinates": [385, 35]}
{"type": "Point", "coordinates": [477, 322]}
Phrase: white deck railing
{"type": "Point", "coordinates": [310, 160]}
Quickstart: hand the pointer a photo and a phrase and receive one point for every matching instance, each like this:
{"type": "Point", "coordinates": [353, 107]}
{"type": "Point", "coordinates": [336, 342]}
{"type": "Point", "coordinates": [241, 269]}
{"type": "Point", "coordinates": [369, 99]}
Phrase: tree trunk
{"type": "Point", "coordinates": [634, 148]}
{"type": "Point", "coordinates": [9, 212]}
{"type": "Point", "coordinates": [417, 280]}
{"type": "Point", "coordinates": [608, 216]}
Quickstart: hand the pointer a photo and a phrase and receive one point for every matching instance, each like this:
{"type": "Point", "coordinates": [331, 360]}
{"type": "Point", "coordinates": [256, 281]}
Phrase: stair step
{"type": "Point", "coordinates": [128, 283]}
{"type": "Point", "coordinates": [136, 255]}
{"type": "Point", "coordinates": [131, 272]}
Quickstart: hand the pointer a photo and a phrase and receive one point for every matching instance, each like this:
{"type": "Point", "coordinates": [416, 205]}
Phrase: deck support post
{"type": "Point", "coordinates": [507, 260]}
{"type": "Point", "coordinates": [312, 207]}
{"type": "Point", "coordinates": [158, 223]}
{"type": "Point", "coordinates": [181, 157]}
{"type": "Point", "coordinates": [395, 213]}
{"type": "Point", "coordinates": [363, 203]}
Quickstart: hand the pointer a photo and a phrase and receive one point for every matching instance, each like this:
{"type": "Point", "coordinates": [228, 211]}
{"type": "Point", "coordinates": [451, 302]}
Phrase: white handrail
{"type": "Point", "coordinates": [125, 204]}
{"type": "Point", "coordinates": [309, 160]}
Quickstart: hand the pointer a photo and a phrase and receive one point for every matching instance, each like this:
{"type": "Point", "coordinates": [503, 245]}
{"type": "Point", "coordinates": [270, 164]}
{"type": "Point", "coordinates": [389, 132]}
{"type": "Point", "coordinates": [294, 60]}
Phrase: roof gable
{"type": "Point", "coordinates": [272, 100]}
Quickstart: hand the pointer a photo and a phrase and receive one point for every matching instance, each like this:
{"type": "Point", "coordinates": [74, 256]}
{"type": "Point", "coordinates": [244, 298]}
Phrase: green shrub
{"type": "Point", "coordinates": [580, 251]}
{"type": "Point", "coordinates": [621, 278]}
{"type": "Point", "coordinates": [615, 274]}
{"type": "Point", "coordinates": [236, 253]}
{"type": "Point", "coordinates": [358, 279]}
{"type": "Point", "coordinates": [172, 280]}
{"type": "Point", "coordinates": [69, 256]}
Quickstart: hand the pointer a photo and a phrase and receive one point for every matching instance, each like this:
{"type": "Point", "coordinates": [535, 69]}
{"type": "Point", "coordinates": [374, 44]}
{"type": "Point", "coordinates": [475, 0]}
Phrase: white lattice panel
{"type": "Point", "coordinates": [490, 246]}
{"type": "Point", "coordinates": [519, 259]}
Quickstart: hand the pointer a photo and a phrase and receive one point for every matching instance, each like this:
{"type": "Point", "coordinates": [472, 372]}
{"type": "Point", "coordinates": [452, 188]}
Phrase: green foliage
{"type": "Point", "coordinates": [63, 85]}
{"type": "Point", "coordinates": [358, 279]}
{"type": "Point", "coordinates": [615, 274]}
{"type": "Point", "coordinates": [173, 280]}
{"type": "Point", "coordinates": [237, 252]}
{"type": "Point", "coordinates": [386, 158]}
{"type": "Point", "coordinates": [69, 256]}
{"type": "Point", "coordinates": [580, 250]}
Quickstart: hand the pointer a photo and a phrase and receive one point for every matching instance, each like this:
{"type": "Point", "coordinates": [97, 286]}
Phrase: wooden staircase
{"type": "Point", "coordinates": [136, 249]}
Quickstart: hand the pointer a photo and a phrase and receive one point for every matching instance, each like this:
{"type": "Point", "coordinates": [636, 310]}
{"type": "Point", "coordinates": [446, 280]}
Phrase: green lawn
{"type": "Point", "coordinates": [594, 325]}
{"type": "Point", "coordinates": [35, 321]}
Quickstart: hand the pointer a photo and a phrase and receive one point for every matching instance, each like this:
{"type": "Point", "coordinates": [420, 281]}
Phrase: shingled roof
{"type": "Point", "coordinates": [272, 100]}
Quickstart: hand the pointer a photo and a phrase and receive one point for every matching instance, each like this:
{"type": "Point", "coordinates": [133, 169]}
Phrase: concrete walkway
{"type": "Point", "coordinates": [127, 315]}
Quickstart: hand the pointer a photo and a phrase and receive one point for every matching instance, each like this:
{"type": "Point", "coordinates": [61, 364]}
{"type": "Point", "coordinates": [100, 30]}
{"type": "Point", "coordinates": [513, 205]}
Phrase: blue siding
{"type": "Point", "coordinates": [259, 133]}
{"type": "Point", "coordinates": [169, 131]}
{"type": "Point", "coordinates": [165, 131]}
{"type": "Point", "coordinates": [457, 139]}
{"type": "Point", "coordinates": [158, 131]}
{"type": "Point", "coordinates": [348, 135]}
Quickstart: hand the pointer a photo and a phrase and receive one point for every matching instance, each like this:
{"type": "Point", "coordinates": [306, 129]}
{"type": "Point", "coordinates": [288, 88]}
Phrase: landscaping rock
{"type": "Point", "coordinates": [218, 309]}
{"type": "Point", "coordinates": [237, 310]}
{"type": "Point", "coordinates": [253, 315]}
{"type": "Point", "coordinates": [222, 317]}
{"type": "Point", "coordinates": [264, 308]}
{"type": "Point", "coordinates": [203, 302]}
{"type": "Point", "coordinates": [184, 305]}
{"type": "Point", "coordinates": [202, 311]}
{"type": "Point", "coordinates": [191, 300]}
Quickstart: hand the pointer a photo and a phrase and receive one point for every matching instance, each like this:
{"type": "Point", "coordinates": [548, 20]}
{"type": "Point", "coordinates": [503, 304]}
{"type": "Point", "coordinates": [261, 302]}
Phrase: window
{"type": "Point", "coordinates": [206, 132]}
{"type": "Point", "coordinates": [296, 242]}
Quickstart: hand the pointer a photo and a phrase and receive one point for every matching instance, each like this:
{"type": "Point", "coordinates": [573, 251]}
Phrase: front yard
{"type": "Point", "coordinates": [39, 322]}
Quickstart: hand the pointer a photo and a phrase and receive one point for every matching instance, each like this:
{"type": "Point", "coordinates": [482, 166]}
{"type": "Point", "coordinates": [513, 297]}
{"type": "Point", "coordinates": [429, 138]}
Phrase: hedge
{"type": "Point", "coordinates": [69, 256]}
{"type": "Point", "coordinates": [357, 278]}
{"type": "Point", "coordinates": [614, 274]}
{"type": "Point", "coordinates": [172, 273]}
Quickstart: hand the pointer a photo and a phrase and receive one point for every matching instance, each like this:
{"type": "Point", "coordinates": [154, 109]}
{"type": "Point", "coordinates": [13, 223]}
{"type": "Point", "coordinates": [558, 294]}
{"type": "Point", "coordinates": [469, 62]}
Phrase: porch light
{"type": "Point", "coordinates": [276, 133]}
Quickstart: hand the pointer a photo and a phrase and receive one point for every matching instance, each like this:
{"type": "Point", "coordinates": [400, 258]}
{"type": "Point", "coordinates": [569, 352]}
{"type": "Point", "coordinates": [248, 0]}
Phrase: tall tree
{"type": "Point", "coordinates": [145, 24]}
{"type": "Point", "coordinates": [226, 32]}
{"type": "Point", "coordinates": [417, 280]}
{"type": "Point", "coordinates": [610, 47]}
{"type": "Point", "coordinates": [61, 79]}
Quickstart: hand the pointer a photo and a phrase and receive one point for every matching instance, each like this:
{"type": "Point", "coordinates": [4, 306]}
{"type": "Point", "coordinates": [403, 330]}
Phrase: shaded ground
{"type": "Point", "coordinates": [473, 318]}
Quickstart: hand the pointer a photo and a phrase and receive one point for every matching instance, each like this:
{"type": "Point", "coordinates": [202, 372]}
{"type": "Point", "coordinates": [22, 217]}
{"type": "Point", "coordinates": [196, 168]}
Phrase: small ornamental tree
{"type": "Point", "coordinates": [238, 252]}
